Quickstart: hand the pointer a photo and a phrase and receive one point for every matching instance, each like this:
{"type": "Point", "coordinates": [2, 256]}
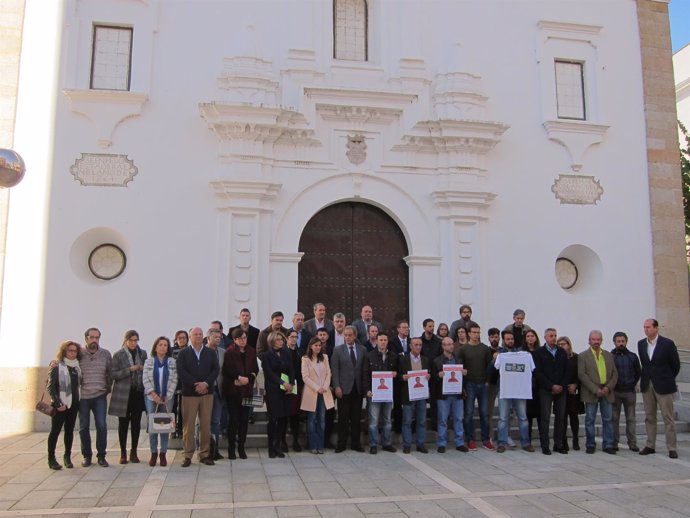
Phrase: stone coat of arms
{"type": "Point", "coordinates": [356, 149]}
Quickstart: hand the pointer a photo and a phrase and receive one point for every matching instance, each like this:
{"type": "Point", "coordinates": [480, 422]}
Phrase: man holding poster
{"type": "Point", "coordinates": [413, 369]}
{"type": "Point", "coordinates": [515, 388]}
{"type": "Point", "coordinates": [380, 368]}
{"type": "Point", "coordinates": [449, 396]}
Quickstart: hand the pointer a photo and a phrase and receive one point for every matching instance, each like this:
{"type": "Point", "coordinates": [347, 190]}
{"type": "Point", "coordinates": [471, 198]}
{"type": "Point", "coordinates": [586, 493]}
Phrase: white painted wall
{"type": "Point", "coordinates": [197, 250]}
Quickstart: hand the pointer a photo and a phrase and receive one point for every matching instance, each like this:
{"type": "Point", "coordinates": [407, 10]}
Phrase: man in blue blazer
{"type": "Point", "coordinates": [660, 366]}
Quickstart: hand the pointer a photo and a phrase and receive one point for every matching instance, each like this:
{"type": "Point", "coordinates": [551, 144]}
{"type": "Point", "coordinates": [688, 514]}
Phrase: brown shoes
{"type": "Point", "coordinates": [153, 459]}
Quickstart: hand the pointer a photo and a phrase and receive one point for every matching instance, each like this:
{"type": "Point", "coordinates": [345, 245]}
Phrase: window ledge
{"type": "Point", "coordinates": [576, 137]}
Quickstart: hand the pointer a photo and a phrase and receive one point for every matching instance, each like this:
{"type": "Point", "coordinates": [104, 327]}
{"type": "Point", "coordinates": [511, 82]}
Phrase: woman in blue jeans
{"type": "Point", "coordinates": [160, 381]}
{"type": "Point", "coordinates": [317, 396]}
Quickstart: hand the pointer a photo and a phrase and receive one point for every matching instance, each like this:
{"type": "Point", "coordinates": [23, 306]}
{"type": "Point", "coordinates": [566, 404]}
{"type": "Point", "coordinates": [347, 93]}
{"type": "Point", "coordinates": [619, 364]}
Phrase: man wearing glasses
{"type": "Point", "coordinates": [95, 385]}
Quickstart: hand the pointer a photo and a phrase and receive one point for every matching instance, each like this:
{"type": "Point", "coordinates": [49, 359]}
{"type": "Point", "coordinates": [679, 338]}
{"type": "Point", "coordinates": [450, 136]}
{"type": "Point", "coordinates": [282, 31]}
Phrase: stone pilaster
{"type": "Point", "coordinates": [663, 165]}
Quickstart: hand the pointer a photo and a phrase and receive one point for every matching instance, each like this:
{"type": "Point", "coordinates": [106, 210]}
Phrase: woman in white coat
{"type": "Point", "coordinates": [317, 396]}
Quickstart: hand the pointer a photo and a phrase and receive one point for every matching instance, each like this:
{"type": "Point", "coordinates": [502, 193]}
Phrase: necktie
{"type": "Point", "coordinates": [352, 356]}
{"type": "Point", "coordinates": [404, 344]}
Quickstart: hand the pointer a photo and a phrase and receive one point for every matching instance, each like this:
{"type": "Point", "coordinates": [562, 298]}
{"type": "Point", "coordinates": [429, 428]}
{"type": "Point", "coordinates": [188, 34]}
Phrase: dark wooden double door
{"type": "Point", "coordinates": [353, 255]}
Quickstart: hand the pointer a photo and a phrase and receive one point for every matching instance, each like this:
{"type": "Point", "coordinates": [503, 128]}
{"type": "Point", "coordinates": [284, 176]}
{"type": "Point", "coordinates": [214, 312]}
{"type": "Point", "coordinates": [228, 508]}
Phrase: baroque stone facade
{"type": "Point", "coordinates": [449, 121]}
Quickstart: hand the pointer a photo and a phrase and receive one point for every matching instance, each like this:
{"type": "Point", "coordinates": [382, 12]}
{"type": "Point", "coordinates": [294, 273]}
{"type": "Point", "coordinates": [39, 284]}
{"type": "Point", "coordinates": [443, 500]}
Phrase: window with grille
{"type": "Point", "coordinates": [570, 90]}
{"type": "Point", "coordinates": [350, 30]}
{"type": "Point", "coordinates": [111, 58]}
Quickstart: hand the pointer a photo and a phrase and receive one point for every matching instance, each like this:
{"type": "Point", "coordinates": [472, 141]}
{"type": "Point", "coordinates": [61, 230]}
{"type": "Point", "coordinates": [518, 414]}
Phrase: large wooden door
{"type": "Point", "coordinates": [353, 255]}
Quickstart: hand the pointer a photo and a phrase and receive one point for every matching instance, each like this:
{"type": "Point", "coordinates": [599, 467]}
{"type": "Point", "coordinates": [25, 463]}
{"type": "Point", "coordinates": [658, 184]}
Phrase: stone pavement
{"type": "Point", "coordinates": [475, 484]}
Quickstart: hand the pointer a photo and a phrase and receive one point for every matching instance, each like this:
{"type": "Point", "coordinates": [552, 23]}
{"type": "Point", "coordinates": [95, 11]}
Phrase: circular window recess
{"type": "Point", "coordinates": [99, 254]}
{"type": "Point", "coordinates": [107, 261]}
{"type": "Point", "coordinates": [566, 273]}
{"type": "Point", "coordinates": [578, 270]}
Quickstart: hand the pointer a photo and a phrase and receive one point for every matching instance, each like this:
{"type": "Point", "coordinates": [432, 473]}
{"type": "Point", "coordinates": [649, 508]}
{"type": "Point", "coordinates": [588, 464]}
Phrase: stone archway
{"type": "Point", "coordinates": [354, 255]}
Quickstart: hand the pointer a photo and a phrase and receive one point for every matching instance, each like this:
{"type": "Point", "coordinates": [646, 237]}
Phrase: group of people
{"type": "Point", "coordinates": [320, 364]}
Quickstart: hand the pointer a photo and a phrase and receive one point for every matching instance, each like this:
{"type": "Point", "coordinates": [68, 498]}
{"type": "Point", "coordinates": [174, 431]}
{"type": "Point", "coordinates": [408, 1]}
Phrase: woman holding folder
{"type": "Point", "coordinates": [279, 377]}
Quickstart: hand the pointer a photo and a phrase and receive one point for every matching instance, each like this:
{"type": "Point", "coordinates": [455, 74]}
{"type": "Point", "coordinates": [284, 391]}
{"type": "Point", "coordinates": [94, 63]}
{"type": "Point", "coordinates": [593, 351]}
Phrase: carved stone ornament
{"type": "Point", "coordinates": [103, 170]}
{"type": "Point", "coordinates": [577, 189]}
{"type": "Point", "coordinates": [356, 149]}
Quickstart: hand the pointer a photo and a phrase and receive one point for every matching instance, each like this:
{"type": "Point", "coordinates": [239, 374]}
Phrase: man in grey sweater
{"type": "Point", "coordinates": [95, 386]}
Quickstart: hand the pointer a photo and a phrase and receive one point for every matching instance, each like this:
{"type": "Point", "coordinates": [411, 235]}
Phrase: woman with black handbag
{"type": "Point", "coordinates": [64, 380]}
{"type": "Point", "coordinates": [239, 377]}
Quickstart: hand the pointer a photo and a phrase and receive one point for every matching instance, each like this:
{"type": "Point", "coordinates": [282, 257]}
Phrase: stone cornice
{"type": "Point", "coordinates": [568, 28]}
{"type": "Point", "coordinates": [247, 190]}
{"type": "Point", "coordinates": [448, 135]}
{"type": "Point", "coordinates": [358, 114]}
{"type": "Point", "coordinates": [376, 98]}
{"type": "Point", "coordinates": [459, 198]}
{"type": "Point", "coordinates": [265, 124]}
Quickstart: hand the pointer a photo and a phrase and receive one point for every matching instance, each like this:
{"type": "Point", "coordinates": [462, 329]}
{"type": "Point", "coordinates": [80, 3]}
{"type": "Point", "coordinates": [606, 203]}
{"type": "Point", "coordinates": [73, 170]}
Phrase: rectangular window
{"type": "Point", "coordinates": [570, 90]}
{"type": "Point", "coordinates": [111, 58]}
{"type": "Point", "coordinates": [350, 30]}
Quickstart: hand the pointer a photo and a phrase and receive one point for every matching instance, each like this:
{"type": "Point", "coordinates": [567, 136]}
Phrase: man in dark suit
{"type": "Point", "coordinates": [551, 365]}
{"type": "Point", "coordinates": [660, 366]}
{"type": "Point", "coordinates": [197, 368]}
{"type": "Point", "coordinates": [319, 320]}
{"type": "Point", "coordinates": [303, 336]}
{"type": "Point", "coordinates": [346, 371]}
{"type": "Point", "coordinates": [275, 325]}
{"type": "Point", "coordinates": [400, 345]}
{"type": "Point", "coordinates": [362, 324]}
{"type": "Point", "coordinates": [252, 332]}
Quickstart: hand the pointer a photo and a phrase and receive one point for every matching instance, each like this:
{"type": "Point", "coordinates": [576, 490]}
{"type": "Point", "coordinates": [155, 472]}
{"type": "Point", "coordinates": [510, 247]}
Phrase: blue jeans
{"type": "Point", "coordinates": [606, 419]}
{"type": "Point", "coordinates": [97, 405]}
{"type": "Point", "coordinates": [416, 409]}
{"type": "Point", "coordinates": [520, 406]}
{"type": "Point", "coordinates": [316, 424]}
{"type": "Point", "coordinates": [216, 414]}
{"type": "Point", "coordinates": [480, 392]}
{"type": "Point", "coordinates": [153, 437]}
{"type": "Point", "coordinates": [451, 405]}
{"type": "Point", "coordinates": [376, 409]}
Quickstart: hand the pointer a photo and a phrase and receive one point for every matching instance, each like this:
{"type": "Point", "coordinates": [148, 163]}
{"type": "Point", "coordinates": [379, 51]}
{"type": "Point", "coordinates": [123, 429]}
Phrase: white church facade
{"type": "Point", "coordinates": [187, 159]}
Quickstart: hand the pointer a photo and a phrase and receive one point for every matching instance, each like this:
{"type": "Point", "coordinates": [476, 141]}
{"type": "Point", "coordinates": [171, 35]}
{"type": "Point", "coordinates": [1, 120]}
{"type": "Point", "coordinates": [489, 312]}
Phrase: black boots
{"type": "Point", "coordinates": [241, 452]}
{"type": "Point", "coordinates": [215, 450]}
{"type": "Point", "coordinates": [67, 461]}
{"type": "Point", "coordinates": [53, 463]}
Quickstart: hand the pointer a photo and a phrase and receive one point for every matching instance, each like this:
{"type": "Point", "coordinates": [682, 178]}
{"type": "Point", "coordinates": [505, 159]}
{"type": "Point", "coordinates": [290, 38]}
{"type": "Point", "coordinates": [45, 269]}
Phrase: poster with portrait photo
{"type": "Point", "coordinates": [452, 379]}
{"type": "Point", "coordinates": [382, 386]}
{"type": "Point", "coordinates": [417, 385]}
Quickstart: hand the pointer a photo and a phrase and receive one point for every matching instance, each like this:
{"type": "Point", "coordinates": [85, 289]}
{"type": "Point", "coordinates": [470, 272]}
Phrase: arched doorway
{"type": "Point", "coordinates": [353, 255]}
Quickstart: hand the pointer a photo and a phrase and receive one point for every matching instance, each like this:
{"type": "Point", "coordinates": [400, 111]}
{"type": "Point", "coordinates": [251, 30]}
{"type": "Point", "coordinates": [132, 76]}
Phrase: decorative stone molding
{"type": "Point", "coordinates": [576, 137]}
{"type": "Point", "coordinates": [452, 136]}
{"type": "Point", "coordinates": [106, 109]}
{"type": "Point", "coordinates": [248, 79]}
{"type": "Point", "coordinates": [286, 257]}
{"type": "Point", "coordinates": [360, 97]}
{"type": "Point", "coordinates": [459, 95]}
{"type": "Point", "coordinates": [420, 260]}
{"type": "Point", "coordinates": [262, 124]}
{"type": "Point", "coordinates": [358, 114]}
{"type": "Point", "coordinates": [464, 203]}
{"type": "Point", "coordinates": [244, 194]}
{"type": "Point", "coordinates": [98, 169]}
{"type": "Point", "coordinates": [577, 189]}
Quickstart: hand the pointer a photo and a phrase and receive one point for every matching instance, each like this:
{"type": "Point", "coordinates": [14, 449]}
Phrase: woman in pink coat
{"type": "Point", "coordinates": [317, 396]}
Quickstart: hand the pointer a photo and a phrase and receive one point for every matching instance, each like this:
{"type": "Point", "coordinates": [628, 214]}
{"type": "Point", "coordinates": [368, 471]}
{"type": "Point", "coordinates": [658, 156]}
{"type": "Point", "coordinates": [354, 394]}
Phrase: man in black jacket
{"type": "Point", "coordinates": [380, 360]}
{"type": "Point", "coordinates": [629, 371]}
{"type": "Point", "coordinates": [197, 369]}
{"type": "Point", "coordinates": [551, 364]}
{"type": "Point", "coordinates": [660, 366]}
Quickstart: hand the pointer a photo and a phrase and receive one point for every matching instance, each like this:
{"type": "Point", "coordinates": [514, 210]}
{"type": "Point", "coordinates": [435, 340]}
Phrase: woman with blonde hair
{"type": "Point", "coordinates": [64, 380]}
{"type": "Point", "coordinates": [127, 398]}
{"type": "Point", "coordinates": [317, 396]}
{"type": "Point", "coordinates": [572, 398]}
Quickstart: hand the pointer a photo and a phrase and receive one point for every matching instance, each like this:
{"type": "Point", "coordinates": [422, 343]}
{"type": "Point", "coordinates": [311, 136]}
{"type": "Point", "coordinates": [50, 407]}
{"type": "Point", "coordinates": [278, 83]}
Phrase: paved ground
{"type": "Point", "coordinates": [474, 484]}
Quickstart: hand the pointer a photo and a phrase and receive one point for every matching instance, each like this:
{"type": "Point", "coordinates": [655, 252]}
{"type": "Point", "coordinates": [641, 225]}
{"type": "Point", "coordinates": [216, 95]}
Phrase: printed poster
{"type": "Point", "coordinates": [452, 379]}
{"type": "Point", "coordinates": [417, 385]}
{"type": "Point", "coordinates": [382, 386]}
